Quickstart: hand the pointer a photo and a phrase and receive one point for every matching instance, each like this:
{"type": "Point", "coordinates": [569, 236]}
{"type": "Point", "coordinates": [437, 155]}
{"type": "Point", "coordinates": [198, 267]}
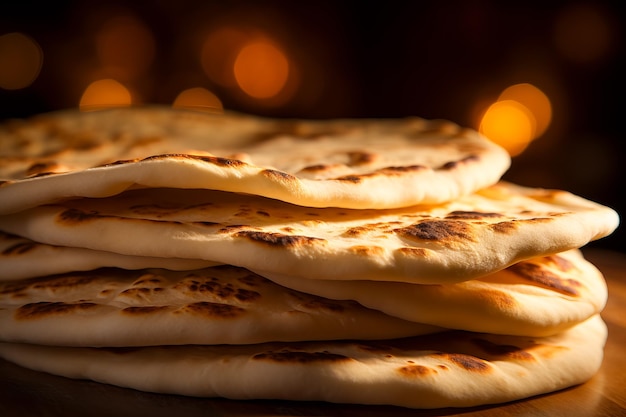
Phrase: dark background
{"type": "Point", "coordinates": [434, 59]}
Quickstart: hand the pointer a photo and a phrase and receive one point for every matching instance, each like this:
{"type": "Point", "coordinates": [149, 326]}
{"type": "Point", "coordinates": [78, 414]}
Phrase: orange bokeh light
{"type": "Point", "coordinates": [534, 100]}
{"type": "Point", "coordinates": [521, 114]}
{"type": "Point", "coordinates": [104, 94]}
{"type": "Point", "coordinates": [21, 60]}
{"type": "Point", "coordinates": [509, 124]}
{"type": "Point", "coordinates": [261, 69]}
{"type": "Point", "coordinates": [198, 98]}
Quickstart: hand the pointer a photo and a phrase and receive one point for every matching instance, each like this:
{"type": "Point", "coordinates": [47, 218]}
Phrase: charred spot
{"type": "Point", "coordinates": [44, 308]}
{"type": "Point", "coordinates": [16, 289]}
{"type": "Point", "coordinates": [278, 239]}
{"type": "Point", "coordinates": [263, 213]}
{"type": "Point", "coordinates": [356, 231]}
{"type": "Point", "coordinates": [223, 162]}
{"type": "Point", "coordinates": [244, 295]}
{"type": "Point", "coordinates": [143, 310]}
{"type": "Point", "coordinates": [65, 281]}
{"type": "Point", "coordinates": [539, 275]}
{"type": "Point", "coordinates": [278, 176]}
{"type": "Point", "coordinates": [319, 303]}
{"type": "Point", "coordinates": [73, 215]}
{"type": "Point", "coordinates": [438, 230]}
{"type": "Point", "coordinates": [507, 227]}
{"type": "Point", "coordinates": [233, 228]}
{"type": "Point", "coordinates": [215, 288]}
{"type": "Point", "coordinates": [252, 280]}
{"type": "Point", "coordinates": [19, 248]}
{"type": "Point", "coordinates": [509, 351]}
{"type": "Point", "coordinates": [316, 168]}
{"type": "Point", "coordinates": [454, 164]}
{"type": "Point", "coordinates": [559, 262]}
{"type": "Point", "coordinates": [467, 362]}
{"type": "Point", "coordinates": [414, 252]}
{"type": "Point", "coordinates": [395, 170]}
{"type": "Point", "coordinates": [147, 279]}
{"type": "Point", "coordinates": [361, 158]}
{"type": "Point", "coordinates": [350, 178]}
{"type": "Point", "coordinates": [471, 215]}
{"type": "Point", "coordinates": [363, 250]}
{"type": "Point", "coordinates": [288, 356]}
{"type": "Point", "coordinates": [119, 162]}
{"type": "Point", "coordinates": [416, 371]}
{"type": "Point", "coordinates": [206, 224]}
{"type": "Point", "coordinates": [205, 308]}
{"type": "Point", "coordinates": [41, 168]}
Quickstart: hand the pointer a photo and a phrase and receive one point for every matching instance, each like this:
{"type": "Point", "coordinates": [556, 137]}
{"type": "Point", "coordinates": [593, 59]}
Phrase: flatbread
{"type": "Point", "coordinates": [453, 242]}
{"type": "Point", "coordinates": [451, 369]}
{"type": "Point", "coordinates": [24, 258]}
{"type": "Point", "coordinates": [354, 163]}
{"type": "Point", "coordinates": [224, 304]}
{"type": "Point", "coordinates": [536, 297]}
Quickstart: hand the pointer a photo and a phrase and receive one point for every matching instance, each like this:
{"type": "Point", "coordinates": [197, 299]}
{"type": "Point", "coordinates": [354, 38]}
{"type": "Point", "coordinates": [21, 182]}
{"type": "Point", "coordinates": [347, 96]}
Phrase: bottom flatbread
{"type": "Point", "coordinates": [450, 369]}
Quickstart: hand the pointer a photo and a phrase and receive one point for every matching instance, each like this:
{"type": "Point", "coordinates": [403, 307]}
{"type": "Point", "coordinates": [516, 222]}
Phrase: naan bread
{"type": "Point", "coordinates": [453, 242]}
{"type": "Point", "coordinates": [23, 258]}
{"type": "Point", "coordinates": [367, 163]}
{"type": "Point", "coordinates": [450, 369]}
{"type": "Point", "coordinates": [536, 297]}
{"type": "Point", "coordinates": [224, 304]}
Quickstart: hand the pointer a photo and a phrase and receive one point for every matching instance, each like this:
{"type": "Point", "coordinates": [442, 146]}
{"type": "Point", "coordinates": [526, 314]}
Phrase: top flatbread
{"type": "Point", "coordinates": [370, 163]}
{"type": "Point", "coordinates": [453, 242]}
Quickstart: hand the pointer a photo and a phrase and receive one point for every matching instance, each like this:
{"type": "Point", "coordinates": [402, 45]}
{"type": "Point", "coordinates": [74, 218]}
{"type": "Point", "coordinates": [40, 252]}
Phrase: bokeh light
{"type": "Point", "coordinates": [534, 100]}
{"type": "Point", "coordinates": [261, 69]}
{"type": "Point", "coordinates": [21, 59]}
{"type": "Point", "coordinates": [198, 98]}
{"type": "Point", "coordinates": [509, 124]}
{"type": "Point", "coordinates": [104, 94]}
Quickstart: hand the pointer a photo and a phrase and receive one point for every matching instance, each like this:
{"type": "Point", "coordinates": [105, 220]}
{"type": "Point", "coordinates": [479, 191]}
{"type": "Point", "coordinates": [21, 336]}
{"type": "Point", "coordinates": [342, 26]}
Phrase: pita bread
{"type": "Point", "coordinates": [536, 297]}
{"type": "Point", "coordinates": [23, 258]}
{"type": "Point", "coordinates": [453, 242]}
{"type": "Point", "coordinates": [225, 304]}
{"type": "Point", "coordinates": [450, 369]}
{"type": "Point", "coordinates": [368, 163]}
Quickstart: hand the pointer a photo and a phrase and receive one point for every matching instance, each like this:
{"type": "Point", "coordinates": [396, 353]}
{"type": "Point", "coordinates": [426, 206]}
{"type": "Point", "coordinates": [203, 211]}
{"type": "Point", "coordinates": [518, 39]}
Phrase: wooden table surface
{"type": "Point", "coordinates": [28, 393]}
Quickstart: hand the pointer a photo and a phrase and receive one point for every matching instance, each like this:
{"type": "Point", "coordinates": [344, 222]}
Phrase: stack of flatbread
{"type": "Point", "coordinates": [349, 261]}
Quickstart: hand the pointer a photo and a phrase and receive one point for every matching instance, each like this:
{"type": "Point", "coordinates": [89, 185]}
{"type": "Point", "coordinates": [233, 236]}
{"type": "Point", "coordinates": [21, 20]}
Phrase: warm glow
{"type": "Point", "coordinates": [509, 124]}
{"type": "Point", "coordinates": [534, 100]}
{"type": "Point", "coordinates": [20, 61]}
{"type": "Point", "coordinates": [104, 94]}
{"type": "Point", "coordinates": [583, 33]}
{"type": "Point", "coordinates": [261, 69]}
{"type": "Point", "coordinates": [198, 98]}
{"type": "Point", "coordinates": [125, 47]}
{"type": "Point", "coordinates": [218, 55]}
